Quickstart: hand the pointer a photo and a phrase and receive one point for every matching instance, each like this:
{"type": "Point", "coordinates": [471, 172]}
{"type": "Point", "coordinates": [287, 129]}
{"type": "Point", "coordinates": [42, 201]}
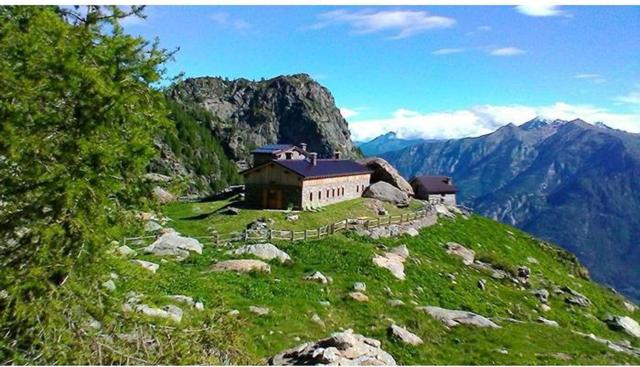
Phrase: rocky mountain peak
{"type": "Point", "coordinates": [285, 109]}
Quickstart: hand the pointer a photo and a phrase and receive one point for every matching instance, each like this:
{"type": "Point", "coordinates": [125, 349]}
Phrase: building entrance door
{"type": "Point", "coordinates": [272, 198]}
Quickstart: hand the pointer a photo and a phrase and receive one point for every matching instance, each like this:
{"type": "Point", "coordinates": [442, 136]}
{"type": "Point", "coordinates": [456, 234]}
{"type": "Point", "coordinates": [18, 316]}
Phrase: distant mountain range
{"type": "Point", "coordinates": [385, 143]}
{"type": "Point", "coordinates": [570, 182]}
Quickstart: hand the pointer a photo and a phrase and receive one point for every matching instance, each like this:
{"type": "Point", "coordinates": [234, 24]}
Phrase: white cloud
{"type": "Point", "coordinates": [447, 51]}
{"type": "Point", "coordinates": [225, 20]}
{"type": "Point", "coordinates": [536, 9]}
{"type": "Point", "coordinates": [632, 97]}
{"type": "Point", "coordinates": [347, 112]}
{"type": "Point", "coordinates": [595, 78]}
{"type": "Point", "coordinates": [401, 23]}
{"type": "Point", "coordinates": [482, 119]}
{"type": "Point", "coordinates": [506, 51]}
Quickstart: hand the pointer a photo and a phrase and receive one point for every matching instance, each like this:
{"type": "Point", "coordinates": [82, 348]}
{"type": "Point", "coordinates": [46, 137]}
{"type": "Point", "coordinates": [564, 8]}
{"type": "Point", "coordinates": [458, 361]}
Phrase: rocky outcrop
{"type": "Point", "coordinates": [344, 348]}
{"type": "Point", "coordinates": [162, 196]}
{"type": "Point", "coordinates": [386, 192]}
{"type": "Point", "coordinates": [383, 171]}
{"type": "Point", "coordinates": [152, 267]}
{"type": "Point", "coordinates": [265, 251]}
{"type": "Point", "coordinates": [285, 109]}
{"type": "Point", "coordinates": [456, 317]}
{"type": "Point", "coordinates": [318, 277]}
{"type": "Point", "coordinates": [242, 266]}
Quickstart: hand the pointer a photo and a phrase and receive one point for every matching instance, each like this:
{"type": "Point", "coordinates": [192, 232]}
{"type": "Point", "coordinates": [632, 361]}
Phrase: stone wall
{"type": "Point", "coordinates": [449, 199]}
{"type": "Point", "coordinates": [325, 191]}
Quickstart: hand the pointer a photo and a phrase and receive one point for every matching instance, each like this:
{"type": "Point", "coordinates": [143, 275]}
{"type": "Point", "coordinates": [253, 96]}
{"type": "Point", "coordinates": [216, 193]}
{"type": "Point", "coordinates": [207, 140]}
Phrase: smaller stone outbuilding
{"type": "Point", "coordinates": [435, 189]}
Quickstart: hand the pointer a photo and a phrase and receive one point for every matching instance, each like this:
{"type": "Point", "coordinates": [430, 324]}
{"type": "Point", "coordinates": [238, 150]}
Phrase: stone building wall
{"type": "Point", "coordinates": [325, 191]}
{"type": "Point", "coordinates": [449, 199]}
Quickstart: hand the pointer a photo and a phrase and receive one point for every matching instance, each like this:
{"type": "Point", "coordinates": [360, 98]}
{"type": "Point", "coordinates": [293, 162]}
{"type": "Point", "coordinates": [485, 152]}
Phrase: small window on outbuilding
{"type": "Point", "coordinates": [311, 196]}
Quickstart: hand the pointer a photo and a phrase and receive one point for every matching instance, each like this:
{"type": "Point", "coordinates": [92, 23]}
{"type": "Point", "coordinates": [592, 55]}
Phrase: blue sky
{"type": "Point", "coordinates": [432, 72]}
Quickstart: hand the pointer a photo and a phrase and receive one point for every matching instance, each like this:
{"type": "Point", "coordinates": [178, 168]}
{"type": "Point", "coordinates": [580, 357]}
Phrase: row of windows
{"type": "Point", "coordinates": [332, 192]}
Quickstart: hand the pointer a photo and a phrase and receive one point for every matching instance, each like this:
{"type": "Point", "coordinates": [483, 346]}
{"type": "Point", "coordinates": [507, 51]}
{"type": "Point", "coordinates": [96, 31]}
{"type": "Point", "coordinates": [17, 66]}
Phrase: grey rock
{"type": "Point", "coordinates": [317, 276]}
{"type": "Point", "coordinates": [242, 266]}
{"type": "Point", "coordinates": [548, 322]}
{"type": "Point", "coordinates": [386, 192]}
{"type": "Point", "coordinates": [359, 287]}
{"type": "Point", "coordinates": [630, 306]}
{"type": "Point", "coordinates": [315, 318]}
{"type": "Point", "coordinates": [393, 261]}
{"type": "Point", "coordinates": [162, 196]}
{"type": "Point", "coordinates": [624, 323]}
{"type": "Point", "coordinates": [109, 285]}
{"type": "Point", "coordinates": [455, 317]}
{"type": "Point", "coordinates": [126, 251]}
{"type": "Point", "coordinates": [462, 252]}
{"type": "Point", "coordinates": [168, 312]}
{"type": "Point", "coordinates": [542, 295]}
{"type": "Point", "coordinates": [385, 172]}
{"type": "Point", "coordinates": [412, 232]}
{"type": "Point", "coordinates": [576, 298]}
{"type": "Point", "coordinates": [358, 296]}
{"type": "Point", "coordinates": [395, 303]}
{"type": "Point", "coordinates": [171, 243]}
{"type": "Point", "coordinates": [405, 335]}
{"type": "Point", "coordinates": [343, 348]}
{"type": "Point", "coordinates": [233, 313]}
{"type": "Point", "coordinates": [482, 284]}
{"type": "Point", "coordinates": [265, 251]}
{"type": "Point", "coordinates": [260, 311]}
{"type": "Point", "coordinates": [230, 211]}
{"type": "Point", "coordinates": [152, 226]}
{"type": "Point", "coordinates": [152, 267]}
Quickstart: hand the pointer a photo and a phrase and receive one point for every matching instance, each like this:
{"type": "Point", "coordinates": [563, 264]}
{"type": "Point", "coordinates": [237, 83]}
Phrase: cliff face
{"type": "Point", "coordinates": [566, 181]}
{"type": "Point", "coordinates": [285, 109]}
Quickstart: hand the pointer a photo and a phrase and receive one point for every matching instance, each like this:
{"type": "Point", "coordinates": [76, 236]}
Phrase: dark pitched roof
{"type": "Point", "coordinates": [323, 167]}
{"type": "Point", "coordinates": [273, 148]}
{"type": "Point", "coordinates": [435, 184]}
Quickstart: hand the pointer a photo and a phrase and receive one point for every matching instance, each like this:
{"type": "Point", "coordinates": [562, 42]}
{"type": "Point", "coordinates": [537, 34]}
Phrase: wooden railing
{"type": "Point", "coordinates": [294, 235]}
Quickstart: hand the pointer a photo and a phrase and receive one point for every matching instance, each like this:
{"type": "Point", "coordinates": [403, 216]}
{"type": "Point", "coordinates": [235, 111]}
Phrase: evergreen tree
{"type": "Point", "coordinates": [78, 114]}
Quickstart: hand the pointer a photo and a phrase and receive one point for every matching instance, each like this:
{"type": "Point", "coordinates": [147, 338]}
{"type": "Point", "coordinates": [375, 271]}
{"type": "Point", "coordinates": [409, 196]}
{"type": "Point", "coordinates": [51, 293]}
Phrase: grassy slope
{"type": "Point", "coordinates": [347, 259]}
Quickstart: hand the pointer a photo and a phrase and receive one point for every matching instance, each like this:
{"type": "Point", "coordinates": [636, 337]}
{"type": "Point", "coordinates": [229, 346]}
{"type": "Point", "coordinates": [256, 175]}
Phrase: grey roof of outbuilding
{"type": "Point", "coordinates": [322, 168]}
{"type": "Point", "coordinates": [435, 184]}
{"type": "Point", "coordinates": [273, 148]}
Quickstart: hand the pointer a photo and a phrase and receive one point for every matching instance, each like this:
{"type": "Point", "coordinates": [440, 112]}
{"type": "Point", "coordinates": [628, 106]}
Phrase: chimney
{"type": "Point", "coordinates": [288, 155]}
{"type": "Point", "coordinates": [447, 180]}
{"type": "Point", "coordinates": [303, 146]}
{"type": "Point", "coordinates": [313, 158]}
{"type": "Point", "coordinates": [336, 155]}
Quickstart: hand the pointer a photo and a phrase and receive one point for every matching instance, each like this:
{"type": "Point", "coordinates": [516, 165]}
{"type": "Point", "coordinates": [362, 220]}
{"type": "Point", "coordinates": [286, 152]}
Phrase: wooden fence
{"type": "Point", "coordinates": [293, 235]}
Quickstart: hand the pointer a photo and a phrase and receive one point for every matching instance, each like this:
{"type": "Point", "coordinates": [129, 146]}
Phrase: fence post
{"type": "Point", "coordinates": [292, 234]}
{"type": "Point", "coordinates": [305, 234]}
{"type": "Point", "coordinates": [246, 235]}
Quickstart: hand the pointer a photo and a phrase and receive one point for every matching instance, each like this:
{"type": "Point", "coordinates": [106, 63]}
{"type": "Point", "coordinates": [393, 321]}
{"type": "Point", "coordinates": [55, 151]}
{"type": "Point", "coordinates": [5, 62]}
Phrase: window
{"type": "Point", "coordinates": [319, 195]}
{"type": "Point", "coordinates": [342, 191]}
{"type": "Point", "coordinates": [310, 196]}
{"type": "Point", "coordinates": [357, 188]}
{"type": "Point", "coordinates": [333, 193]}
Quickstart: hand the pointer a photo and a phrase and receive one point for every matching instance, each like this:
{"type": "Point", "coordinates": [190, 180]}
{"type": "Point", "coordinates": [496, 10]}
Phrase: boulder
{"type": "Point", "coordinates": [343, 348]}
{"type": "Point", "coordinates": [404, 335]}
{"type": "Point", "coordinates": [386, 192]}
{"type": "Point", "coordinates": [162, 196]}
{"type": "Point", "coordinates": [260, 311]}
{"type": "Point", "coordinates": [152, 226]}
{"type": "Point", "coordinates": [456, 317]}
{"type": "Point", "coordinates": [265, 251]}
{"type": "Point", "coordinates": [167, 312]}
{"type": "Point", "coordinates": [444, 211]}
{"type": "Point", "coordinates": [630, 306]}
{"type": "Point", "coordinates": [576, 298]}
{"type": "Point", "coordinates": [171, 243]}
{"type": "Point", "coordinates": [542, 294]}
{"type": "Point", "coordinates": [359, 287]}
{"type": "Point", "coordinates": [291, 217]}
{"type": "Point", "coordinates": [545, 307]}
{"type": "Point", "coordinates": [315, 318]}
{"type": "Point", "coordinates": [358, 296]}
{"type": "Point", "coordinates": [624, 323]}
{"type": "Point", "coordinates": [152, 267]}
{"type": "Point", "coordinates": [109, 285]}
{"type": "Point", "coordinates": [464, 253]}
{"type": "Point", "coordinates": [242, 266]}
{"type": "Point", "coordinates": [317, 276]}
{"type": "Point", "coordinates": [412, 232]}
{"type": "Point", "coordinates": [385, 172]}
{"type": "Point", "coordinates": [126, 251]}
{"type": "Point", "coordinates": [393, 261]}
{"type": "Point", "coordinates": [395, 303]}
{"type": "Point", "coordinates": [523, 273]}
{"type": "Point", "coordinates": [548, 322]}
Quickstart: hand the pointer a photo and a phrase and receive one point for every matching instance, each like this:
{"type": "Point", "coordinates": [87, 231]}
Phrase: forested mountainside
{"type": "Point", "coordinates": [570, 182]}
{"type": "Point", "coordinates": [286, 109]}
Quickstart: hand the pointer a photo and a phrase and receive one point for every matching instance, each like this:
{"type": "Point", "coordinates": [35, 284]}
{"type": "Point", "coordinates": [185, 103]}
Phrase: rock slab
{"type": "Point", "coordinates": [383, 171]}
{"type": "Point", "coordinates": [456, 317]}
{"type": "Point", "coordinates": [265, 251]}
{"type": "Point", "coordinates": [343, 348]}
{"type": "Point", "coordinates": [404, 335]}
{"type": "Point", "coordinates": [393, 261]}
{"type": "Point", "coordinates": [386, 192]}
{"type": "Point", "coordinates": [242, 266]}
{"type": "Point", "coordinates": [171, 243]}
